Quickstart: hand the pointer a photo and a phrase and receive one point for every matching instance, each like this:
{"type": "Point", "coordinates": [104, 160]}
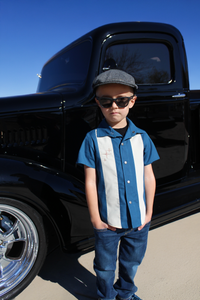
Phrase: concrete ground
{"type": "Point", "coordinates": [170, 269]}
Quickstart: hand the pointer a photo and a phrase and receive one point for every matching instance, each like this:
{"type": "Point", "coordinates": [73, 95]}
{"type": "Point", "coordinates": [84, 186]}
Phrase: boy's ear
{"type": "Point", "coordinates": [132, 101]}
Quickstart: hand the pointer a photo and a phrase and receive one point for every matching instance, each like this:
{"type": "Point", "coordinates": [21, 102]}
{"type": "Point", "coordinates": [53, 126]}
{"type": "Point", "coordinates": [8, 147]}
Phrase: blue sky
{"type": "Point", "coordinates": [33, 31]}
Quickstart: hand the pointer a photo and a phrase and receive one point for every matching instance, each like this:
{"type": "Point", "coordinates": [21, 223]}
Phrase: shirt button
{"type": "Point", "coordinates": [130, 202]}
{"type": "Point", "coordinates": [125, 162]}
{"type": "Point", "coordinates": [128, 181]}
{"type": "Point", "coordinates": [122, 144]}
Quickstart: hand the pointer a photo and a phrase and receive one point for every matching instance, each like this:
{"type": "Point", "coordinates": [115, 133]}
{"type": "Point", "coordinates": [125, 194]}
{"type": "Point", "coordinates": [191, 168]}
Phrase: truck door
{"type": "Point", "coordinates": [162, 104]}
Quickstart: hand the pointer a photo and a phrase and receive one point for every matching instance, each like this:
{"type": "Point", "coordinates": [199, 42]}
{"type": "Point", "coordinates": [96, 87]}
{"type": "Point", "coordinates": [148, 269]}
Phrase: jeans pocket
{"type": "Point", "coordinates": [100, 230]}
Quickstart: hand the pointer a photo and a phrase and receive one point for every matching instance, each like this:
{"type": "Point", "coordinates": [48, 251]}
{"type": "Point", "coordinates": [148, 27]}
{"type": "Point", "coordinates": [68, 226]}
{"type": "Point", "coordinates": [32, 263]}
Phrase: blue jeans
{"type": "Point", "coordinates": [132, 248]}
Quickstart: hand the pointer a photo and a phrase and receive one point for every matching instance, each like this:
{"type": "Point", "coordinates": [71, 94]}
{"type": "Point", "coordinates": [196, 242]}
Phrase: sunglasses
{"type": "Point", "coordinates": [108, 102]}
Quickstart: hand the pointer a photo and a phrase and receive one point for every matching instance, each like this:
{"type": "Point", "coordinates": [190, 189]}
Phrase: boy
{"type": "Point", "coordinates": [120, 186]}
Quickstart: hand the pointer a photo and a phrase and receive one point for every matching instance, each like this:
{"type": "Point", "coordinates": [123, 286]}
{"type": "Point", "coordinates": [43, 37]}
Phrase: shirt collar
{"type": "Point", "coordinates": [106, 130]}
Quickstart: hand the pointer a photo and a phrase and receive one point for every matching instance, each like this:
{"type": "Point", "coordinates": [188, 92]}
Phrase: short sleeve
{"type": "Point", "coordinates": [150, 152]}
{"type": "Point", "coordinates": [86, 155]}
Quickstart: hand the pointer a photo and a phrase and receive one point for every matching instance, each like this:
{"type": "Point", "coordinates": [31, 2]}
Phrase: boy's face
{"type": "Point", "coordinates": [114, 115]}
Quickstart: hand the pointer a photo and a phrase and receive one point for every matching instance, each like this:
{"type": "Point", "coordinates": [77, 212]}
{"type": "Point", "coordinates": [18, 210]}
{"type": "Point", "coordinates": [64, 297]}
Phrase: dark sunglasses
{"type": "Point", "coordinates": [108, 102]}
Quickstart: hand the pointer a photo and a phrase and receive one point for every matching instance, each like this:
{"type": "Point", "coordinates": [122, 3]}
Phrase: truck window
{"type": "Point", "coordinates": [68, 67]}
{"type": "Point", "coordinates": [149, 63]}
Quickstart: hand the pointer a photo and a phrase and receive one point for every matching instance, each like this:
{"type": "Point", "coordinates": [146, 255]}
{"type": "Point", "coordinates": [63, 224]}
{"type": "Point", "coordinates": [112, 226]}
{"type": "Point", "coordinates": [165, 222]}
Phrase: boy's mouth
{"type": "Point", "coordinates": [114, 112]}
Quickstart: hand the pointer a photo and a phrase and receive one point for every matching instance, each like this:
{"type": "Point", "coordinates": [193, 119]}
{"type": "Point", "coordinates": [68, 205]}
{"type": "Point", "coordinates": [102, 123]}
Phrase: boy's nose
{"type": "Point", "coordinates": [114, 105]}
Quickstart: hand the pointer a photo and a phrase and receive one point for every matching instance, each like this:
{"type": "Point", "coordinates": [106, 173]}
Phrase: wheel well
{"type": "Point", "coordinates": [52, 232]}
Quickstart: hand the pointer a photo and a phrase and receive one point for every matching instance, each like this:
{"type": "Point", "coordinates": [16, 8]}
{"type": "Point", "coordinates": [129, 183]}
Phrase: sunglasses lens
{"type": "Point", "coordinates": [106, 103]}
{"type": "Point", "coordinates": [122, 102]}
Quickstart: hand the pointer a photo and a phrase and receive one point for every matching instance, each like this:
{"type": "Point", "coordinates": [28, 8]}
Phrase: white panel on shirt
{"type": "Point", "coordinates": [111, 185]}
{"type": "Point", "coordinates": [138, 156]}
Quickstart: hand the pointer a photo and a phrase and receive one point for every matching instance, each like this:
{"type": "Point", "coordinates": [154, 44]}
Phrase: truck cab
{"type": "Point", "coordinates": [41, 188]}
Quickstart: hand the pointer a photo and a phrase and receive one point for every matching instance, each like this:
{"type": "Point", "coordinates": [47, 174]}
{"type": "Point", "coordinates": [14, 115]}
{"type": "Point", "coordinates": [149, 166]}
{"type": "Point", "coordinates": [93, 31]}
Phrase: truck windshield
{"type": "Point", "coordinates": [70, 67]}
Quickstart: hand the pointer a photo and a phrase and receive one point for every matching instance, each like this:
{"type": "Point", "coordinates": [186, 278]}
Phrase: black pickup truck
{"type": "Point", "coordinates": [42, 189]}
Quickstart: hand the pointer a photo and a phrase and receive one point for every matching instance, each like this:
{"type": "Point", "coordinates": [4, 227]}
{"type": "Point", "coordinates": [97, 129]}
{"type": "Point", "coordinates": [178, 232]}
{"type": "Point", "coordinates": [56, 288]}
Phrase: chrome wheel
{"type": "Point", "coordinates": [19, 246]}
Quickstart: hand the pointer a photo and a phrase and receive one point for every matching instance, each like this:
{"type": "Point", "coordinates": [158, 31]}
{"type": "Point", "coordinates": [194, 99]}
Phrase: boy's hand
{"type": "Point", "coordinates": [147, 220]}
{"type": "Point", "coordinates": [102, 225]}
{"type": "Point", "coordinates": [111, 228]}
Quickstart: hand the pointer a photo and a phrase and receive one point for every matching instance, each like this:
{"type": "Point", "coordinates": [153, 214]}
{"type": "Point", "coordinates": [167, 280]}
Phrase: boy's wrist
{"type": "Point", "coordinates": [99, 224]}
{"type": "Point", "coordinates": [149, 212]}
{"type": "Point", "coordinates": [149, 216]}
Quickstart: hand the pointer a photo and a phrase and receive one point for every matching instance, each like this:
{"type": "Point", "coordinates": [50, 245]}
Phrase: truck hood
{"type": "Point", "coordinates": [32, 102]}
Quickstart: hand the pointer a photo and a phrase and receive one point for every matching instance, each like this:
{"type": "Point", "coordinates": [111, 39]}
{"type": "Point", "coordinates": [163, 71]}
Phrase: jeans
{"type": "Point", "coordinates": [132, 249]}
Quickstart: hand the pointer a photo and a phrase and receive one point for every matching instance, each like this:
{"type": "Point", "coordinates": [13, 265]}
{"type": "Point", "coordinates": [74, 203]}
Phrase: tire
{"type": "Point", "coordinates": [23, 246]}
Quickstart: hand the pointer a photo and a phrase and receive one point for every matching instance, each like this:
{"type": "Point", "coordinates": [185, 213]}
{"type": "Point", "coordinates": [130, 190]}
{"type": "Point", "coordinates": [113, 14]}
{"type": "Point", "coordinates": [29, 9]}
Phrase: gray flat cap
{"type": "Point", "coordinates": [114, 76]}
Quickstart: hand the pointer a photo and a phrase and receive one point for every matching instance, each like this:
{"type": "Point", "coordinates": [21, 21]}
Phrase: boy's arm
{"type": "Point", "coordinates": [92, 199]}
{"type": "Point", "coordinates": [150, 187]}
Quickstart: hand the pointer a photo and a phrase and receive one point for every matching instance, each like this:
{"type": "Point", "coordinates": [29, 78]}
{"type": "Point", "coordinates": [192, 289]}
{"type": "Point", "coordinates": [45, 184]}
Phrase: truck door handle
{"type": "Point", "coordinates": [179, 96]}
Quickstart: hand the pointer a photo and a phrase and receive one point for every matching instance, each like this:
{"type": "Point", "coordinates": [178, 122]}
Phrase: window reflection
{"type": "Point", "coordinates": [149, 63]}
{"type": "Point", "coordinates": [68, 68]}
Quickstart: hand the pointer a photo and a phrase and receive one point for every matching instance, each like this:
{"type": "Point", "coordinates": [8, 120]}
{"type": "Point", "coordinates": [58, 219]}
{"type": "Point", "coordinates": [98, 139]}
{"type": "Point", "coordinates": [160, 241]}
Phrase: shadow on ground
{"type": "Point", "coordinates": [66, 270]}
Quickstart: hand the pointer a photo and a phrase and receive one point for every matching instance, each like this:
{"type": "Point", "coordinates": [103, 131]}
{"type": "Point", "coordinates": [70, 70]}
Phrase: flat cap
{"type": "Point", "coordinates": [114, 76]}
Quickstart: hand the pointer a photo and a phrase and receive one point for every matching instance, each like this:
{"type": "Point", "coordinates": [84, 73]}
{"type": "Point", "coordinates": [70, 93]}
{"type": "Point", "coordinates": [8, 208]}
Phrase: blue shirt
{"type": "Point", "coordinates": [119, 163]}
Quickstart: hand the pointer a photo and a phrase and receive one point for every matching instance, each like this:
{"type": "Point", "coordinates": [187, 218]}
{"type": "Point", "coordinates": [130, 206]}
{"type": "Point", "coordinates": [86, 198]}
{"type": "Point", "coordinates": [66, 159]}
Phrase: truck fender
{"type": "Point", "coordinates": [57, 196]}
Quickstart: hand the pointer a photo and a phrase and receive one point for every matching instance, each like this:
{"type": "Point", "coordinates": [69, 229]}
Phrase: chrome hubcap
{"type": "Point", "coordinates": [19, 244]}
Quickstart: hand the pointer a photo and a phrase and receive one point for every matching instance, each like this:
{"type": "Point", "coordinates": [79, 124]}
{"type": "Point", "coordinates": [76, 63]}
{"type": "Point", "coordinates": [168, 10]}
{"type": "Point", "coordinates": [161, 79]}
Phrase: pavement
{"type": "Point", "coordinates": [169, 271]}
